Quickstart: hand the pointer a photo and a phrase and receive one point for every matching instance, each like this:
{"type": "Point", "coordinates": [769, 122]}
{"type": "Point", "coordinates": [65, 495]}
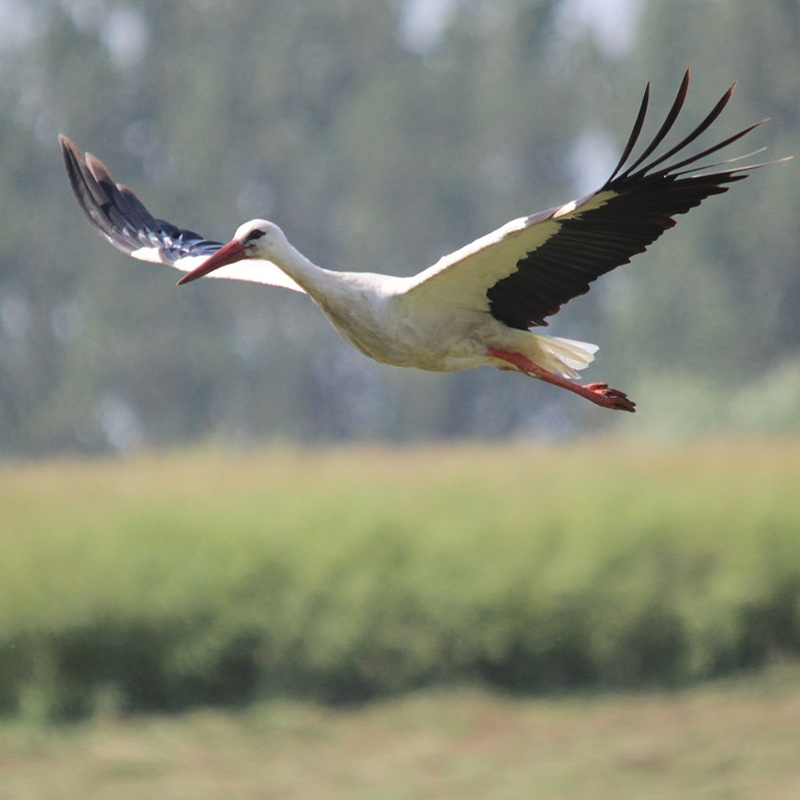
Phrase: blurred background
{"type": "Point", "coordinates": [379, 135]}
{"type": "Point", "coordinates": [243, 607]}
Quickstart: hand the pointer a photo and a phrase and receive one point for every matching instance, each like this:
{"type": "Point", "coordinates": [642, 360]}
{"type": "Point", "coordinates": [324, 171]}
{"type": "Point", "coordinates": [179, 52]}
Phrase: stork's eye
{"type": "Point", "coordinates": [256, 234]}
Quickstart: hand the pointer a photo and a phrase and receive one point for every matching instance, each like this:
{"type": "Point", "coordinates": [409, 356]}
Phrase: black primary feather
{"type": "Point", "coordinates": [641, 204]}
{"type": "Point", "coordinates": [122, 218]}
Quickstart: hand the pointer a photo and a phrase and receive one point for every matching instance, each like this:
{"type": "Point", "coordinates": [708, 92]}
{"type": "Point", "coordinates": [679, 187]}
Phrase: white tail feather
{"type": "Point", "coordinates": [564, 356]}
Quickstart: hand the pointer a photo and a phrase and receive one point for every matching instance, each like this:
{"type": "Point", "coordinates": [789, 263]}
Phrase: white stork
{"type": "Point", "coordinates": [475, 306]}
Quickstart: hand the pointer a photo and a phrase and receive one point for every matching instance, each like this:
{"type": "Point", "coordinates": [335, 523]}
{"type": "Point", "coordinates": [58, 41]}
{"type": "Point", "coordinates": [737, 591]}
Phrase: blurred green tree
{"type": "Point", "coordinates": [380, 136]}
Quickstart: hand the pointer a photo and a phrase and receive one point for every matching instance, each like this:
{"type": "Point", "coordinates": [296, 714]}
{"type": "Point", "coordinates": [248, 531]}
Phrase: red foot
{"type": "Point", "coordinates": [607, 398]}
{"type": "Point", "coordinates": [598, 393]}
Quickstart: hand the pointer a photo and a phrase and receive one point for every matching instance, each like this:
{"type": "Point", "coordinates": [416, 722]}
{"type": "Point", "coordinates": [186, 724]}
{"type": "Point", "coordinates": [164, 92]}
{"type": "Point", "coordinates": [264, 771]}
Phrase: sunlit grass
{"type": "Point", "coordinates": [343, 573]}
{"type": "Point", "coordinates": [726, 739]}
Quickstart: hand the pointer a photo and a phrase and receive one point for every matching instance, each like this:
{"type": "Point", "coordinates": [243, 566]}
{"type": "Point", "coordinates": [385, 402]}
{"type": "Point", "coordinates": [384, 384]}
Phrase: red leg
{"type": "Point", "coordinates": [598, 393]}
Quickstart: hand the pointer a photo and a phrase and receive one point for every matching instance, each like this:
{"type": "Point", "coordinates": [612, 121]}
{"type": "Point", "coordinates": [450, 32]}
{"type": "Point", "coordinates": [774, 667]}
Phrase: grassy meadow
{"type": "Point", "coordinates": [736, 739]}
{"type": "Point", "coordinates": [165, 581]}
{"type": "Point", "coordinates": [456, 621]}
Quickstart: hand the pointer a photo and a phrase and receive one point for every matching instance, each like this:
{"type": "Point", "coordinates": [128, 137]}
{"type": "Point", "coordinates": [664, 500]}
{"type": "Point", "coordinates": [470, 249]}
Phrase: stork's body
{"type": "Point", "coordinates": [475, 306]}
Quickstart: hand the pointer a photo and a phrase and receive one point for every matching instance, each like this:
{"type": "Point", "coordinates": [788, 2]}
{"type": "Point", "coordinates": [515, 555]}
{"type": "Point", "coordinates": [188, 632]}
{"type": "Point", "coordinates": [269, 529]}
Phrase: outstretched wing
{"type": "Point", "coordinates": [526, 270]}
{"type": "Point", "coordinates": [122, 219]}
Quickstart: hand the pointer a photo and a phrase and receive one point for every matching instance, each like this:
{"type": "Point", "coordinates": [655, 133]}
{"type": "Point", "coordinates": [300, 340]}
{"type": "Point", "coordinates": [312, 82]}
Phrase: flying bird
{"type": "Point", "coordinates": [474, 306]}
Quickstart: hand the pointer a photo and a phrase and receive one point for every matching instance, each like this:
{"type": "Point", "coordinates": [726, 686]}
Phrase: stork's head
{"type": "Point", "coordinates": [258, 238]}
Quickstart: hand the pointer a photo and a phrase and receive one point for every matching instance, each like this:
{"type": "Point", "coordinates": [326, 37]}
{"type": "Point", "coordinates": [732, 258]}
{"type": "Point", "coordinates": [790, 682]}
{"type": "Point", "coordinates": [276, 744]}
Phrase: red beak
{"type": "Point", "coordinates": [227, 254]}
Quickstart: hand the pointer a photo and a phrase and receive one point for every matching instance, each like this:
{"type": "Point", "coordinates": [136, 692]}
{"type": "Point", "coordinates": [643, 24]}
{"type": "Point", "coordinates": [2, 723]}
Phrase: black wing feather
{"type": "Point", "coordinates": [594, 239]}
{"type": "Point", "coordinates": [118, 214]}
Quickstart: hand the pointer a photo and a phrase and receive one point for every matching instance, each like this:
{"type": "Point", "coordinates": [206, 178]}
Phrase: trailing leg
{"type": "Point", "coordinates": [598, 393]}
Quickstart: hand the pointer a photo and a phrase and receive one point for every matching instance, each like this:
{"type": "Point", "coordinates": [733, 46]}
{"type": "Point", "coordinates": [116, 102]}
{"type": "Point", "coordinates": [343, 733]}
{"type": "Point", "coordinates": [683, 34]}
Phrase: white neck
{"type": "Point", "coordinates": [314, 280]}
{"type": "Point", "coordinates": [328, 288]}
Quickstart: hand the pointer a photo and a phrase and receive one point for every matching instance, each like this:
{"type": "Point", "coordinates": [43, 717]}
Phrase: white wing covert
{"type": "Point", "coordinates": [526, 270]}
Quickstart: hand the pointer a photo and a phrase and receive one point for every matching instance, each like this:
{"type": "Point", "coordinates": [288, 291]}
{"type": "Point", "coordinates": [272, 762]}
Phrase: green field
{"type": "Point", "coordinates": [737, 740]}
{"type": "Point", "coordinates": [166, 581]}
{"type": "Point", "coordinates": [465, 621]}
